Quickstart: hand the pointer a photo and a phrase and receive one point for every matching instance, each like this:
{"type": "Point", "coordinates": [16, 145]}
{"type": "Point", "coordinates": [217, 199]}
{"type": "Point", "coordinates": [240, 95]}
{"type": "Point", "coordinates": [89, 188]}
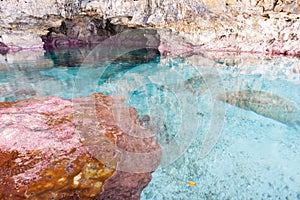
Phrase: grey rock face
{"type": "Point", "coordinates": [185, 26]}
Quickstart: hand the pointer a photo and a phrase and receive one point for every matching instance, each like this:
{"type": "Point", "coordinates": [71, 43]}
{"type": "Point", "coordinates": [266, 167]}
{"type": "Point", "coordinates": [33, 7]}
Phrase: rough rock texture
{"type": "Point", "coordinates": [259, 26]}
{"type": "Point", "coordinates": [240, 26]}
{"type": "Point", "coordinates": [51, 148]}
{"type": "Point", "coordinates": [266, 104]}
{"type": "Point", "coordinates": [91, 31]}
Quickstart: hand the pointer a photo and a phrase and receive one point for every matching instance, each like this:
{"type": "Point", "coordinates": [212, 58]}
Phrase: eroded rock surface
{"type": "Point", "coordinates": [51, 148]}
{"type": "Point", "coordinates": [264, 103]}
{"type": "Point", "coordinates": [257, 26]}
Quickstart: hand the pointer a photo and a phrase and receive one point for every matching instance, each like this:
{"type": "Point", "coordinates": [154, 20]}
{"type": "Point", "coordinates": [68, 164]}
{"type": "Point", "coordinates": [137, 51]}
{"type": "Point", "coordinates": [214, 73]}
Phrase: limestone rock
{"type": "Point", "coordinates": [265, 26]}
{"type": "Point", "coordinates": [51, 148]}
{"type": "Point", "coordinates": [91, 31]}
{"type": "Point", "coordinates": [200, 84]}
{"type": "Point", "coordinates": [264, 103]}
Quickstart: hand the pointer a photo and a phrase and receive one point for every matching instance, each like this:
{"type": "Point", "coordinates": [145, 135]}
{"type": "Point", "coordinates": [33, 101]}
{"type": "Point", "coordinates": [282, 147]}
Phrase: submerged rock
{"type": "Point", "coordinates": [264, 103]}
{"type": "Point", "coordinates": [144, 120]}
{"type": "Point", "coordinates": [198, 85]}
{"type": "Point", "coordinates": [51, 148]}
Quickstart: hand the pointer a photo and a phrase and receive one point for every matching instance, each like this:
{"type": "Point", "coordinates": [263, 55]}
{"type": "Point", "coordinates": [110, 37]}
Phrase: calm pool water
{"type": "Point", "coordinates": [246, 146]}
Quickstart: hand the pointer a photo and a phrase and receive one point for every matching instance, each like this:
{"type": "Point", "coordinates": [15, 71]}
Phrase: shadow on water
{"type": "Point", "coordinates": [74, 57]}
{"type": "Point", "coordinates": [57, 68]}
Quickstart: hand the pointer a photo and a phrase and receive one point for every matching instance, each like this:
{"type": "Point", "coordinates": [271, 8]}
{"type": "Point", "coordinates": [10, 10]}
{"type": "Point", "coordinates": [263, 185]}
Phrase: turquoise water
{"type": "Point", "coordinates": [230, 152]}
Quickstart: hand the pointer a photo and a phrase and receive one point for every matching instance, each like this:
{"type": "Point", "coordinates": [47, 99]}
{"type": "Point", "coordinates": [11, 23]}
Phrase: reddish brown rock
{"type": "Point", "coordinates": [87, 148]}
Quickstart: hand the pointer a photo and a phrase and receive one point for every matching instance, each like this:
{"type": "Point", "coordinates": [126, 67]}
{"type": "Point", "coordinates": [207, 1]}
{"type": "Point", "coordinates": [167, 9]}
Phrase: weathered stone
{"type": "Point", "coordinates": [209, 24]}
{"type": "Point", "coordinates": [88, 31]}
{"type": "Point", "coordinates": [18, 40]}
{"type": "Point", "coordinates": [51, 148]}
{"type": "Point", "coordinates": [200, 84]}
{"type": "Point", "coordinates": [264, 103]}
{"type": "Point", "coordinates": [130, 190]}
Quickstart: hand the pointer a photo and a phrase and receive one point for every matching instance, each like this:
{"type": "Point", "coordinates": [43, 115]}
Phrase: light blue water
{"type": "Point", "coordinates": [229, 152]}
{"type": "Point", "coordinates": [254, 157]}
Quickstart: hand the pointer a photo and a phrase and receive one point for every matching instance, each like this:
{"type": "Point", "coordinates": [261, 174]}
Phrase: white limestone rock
{"type": "Point", "coordinates": [227, 25]}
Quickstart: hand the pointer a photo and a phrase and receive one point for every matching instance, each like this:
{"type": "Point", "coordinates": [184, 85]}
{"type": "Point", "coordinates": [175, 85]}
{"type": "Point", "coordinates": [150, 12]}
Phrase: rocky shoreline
{"type": "Point", "coordinates": [52, 148]}
{"type": "Point", "coordinates": [259, 26]}
{"type": "Point", "coordinates": [55, 148]}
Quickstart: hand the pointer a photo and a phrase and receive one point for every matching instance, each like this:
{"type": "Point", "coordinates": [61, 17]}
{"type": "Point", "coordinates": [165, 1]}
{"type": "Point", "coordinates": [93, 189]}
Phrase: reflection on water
{"type": "Point", "coordinates": [75, 57]}
{"type": "Point", "coordinates": [230, 125]}
{"type": "Point", "coordinates": [54, 72]}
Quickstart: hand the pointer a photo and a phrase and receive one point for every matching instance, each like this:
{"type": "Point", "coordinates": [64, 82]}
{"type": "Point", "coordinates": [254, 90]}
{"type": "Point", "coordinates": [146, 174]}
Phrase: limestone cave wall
{"type": "Point", "coordinates": [269, 26]}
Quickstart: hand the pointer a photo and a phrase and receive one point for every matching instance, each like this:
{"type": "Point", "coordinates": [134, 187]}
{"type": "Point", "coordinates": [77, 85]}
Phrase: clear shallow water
{"type": "Point", "coordinates": [229, 152]}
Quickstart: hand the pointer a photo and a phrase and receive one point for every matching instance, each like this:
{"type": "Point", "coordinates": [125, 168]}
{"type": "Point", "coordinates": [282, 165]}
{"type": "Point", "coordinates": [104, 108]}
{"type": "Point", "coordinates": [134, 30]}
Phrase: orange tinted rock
{"type": "Point", "coordinates": [83, 177]}
{"type": "Point", "coordinates": [51, 148]}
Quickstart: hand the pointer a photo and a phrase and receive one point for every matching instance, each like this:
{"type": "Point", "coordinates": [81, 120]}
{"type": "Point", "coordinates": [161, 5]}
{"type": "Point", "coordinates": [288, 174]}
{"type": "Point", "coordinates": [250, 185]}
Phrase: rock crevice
{"type": "Point", "coordinates": [264, 26]}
